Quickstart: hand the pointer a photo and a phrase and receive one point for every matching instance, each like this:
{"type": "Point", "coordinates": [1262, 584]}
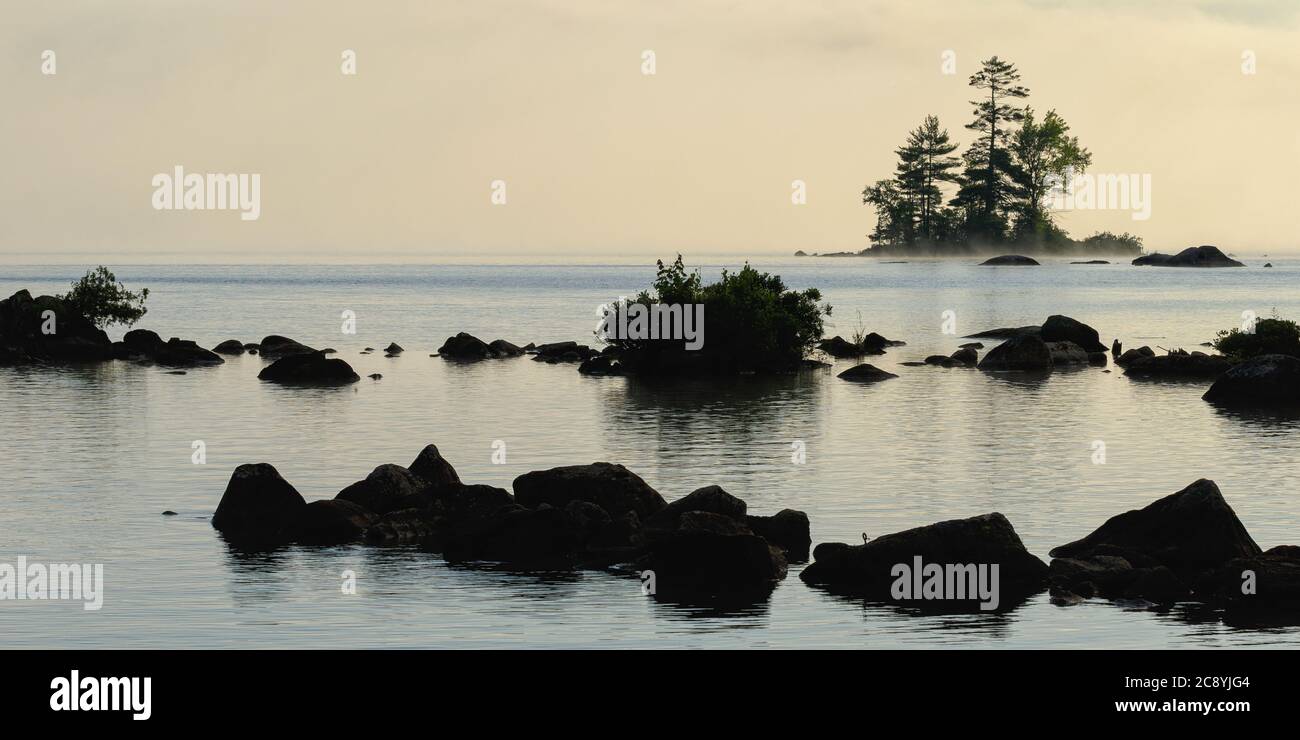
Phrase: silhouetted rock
{"type": "Point", "coordinates": [1007, 333]}
{"type": "Point", "coordinates": [258, 507]}
{"type": "Point", "coordinates": [24, 339]}
{"type": "Point", "coordinates": [840, 347]}
{"type": "Point", "coordinates": [1265, 381]}
{"type": "Point", "coordinates": [394, 349]}
{"type": "Point", "coordinates": [464, 347]}
{"type": "Point", "coordinates": [1010, 259]}
{"type": "Point", "coordinates": [612, 487]}
{"type": "Point", "coordinates": [875, 343]}
{"type": "Point", "coordinates": [1067, 353]}
{"type": "Point", "coordinates": [388, 488]}
{"type": "Point", "coordinates": [1065, 329]}
{"type": "Point", "coordinates": [713, 556]}
{"type": "Point", "coordinates": [230, 347]}
{"type": "Point", "coordinates": [966, 356]}
{"type": "Point", "coordinates": [1178, 364]}
{"type": "Point", "coordinates": [600, 365]}
{"type": "Point", "coordinates": [1098, 359]}
{"type": "Point", "coordinates": [275, 346]}
{"type": "Point", "coordinates": [866, 373]}
{"type": "Point", "coordinates": [1269, 581]}
{"type": "Point", "coordinates": [1190, 531]}
{"type": "Point", "coordinates": [1204, 256]}
{"type": "Point", "coordinates": [869, 569]}
{"type": "Point", "coordinates": [1091, 262]}
{"type": "Point", "coordinates": [711, 499]}
{"type": "Point", "coordinates": [1133, 355]}
{"type": "Point", "coordinates": [332, 522]}
{"type": "Point", "coordinates": [403, 526]}
{"type": "Point", "coordinates": [542, 537]}
{"type": "Point", "coordinates": [1020, 352]}
{"type": "Point", "coordinates": [788, 529]}
{"type": "Point", "coordinates": [184, 353]}
{"type": "Point", "coordinates": [502, 348]}
{"type": "Point", "coordinates": [433, 470]}
{"type": "Point", "coordinates": [142, 341]}
{"type": "Point", "coordinates": [310, 369]}
{"type": "Point", "coordinates": [563, 352]}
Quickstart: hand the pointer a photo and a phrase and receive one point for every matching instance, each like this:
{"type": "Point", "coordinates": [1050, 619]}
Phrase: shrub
{"type": "Point", "coordinates": [752, 322]}
{"type": "Point", "coordinates": [1271, 336]}
{"type": "Point", "coordinates": [103, 300]}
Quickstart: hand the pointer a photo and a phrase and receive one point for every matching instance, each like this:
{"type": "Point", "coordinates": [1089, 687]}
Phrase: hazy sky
{"type": "Point", "coordinates": [549, 96]}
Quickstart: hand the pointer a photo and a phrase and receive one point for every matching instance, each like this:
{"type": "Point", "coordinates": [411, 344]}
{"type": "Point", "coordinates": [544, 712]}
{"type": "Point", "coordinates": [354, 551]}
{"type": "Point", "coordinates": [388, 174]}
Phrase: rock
{"type": "Point", "coordinates": [258, 507]}
{"type": "Point", "coordinates": [169, 512]}
{"type": "Point", "coordinates": [1010, 259]}
{"type": "Point", "coordinates": [252, 347]}
{"type": "Point", "coordinates": [142, 341]}
{"type": "Point", "coordinates": [1098, 359]}
{"type": "Point", "coordinates": [542, 537]}
{"type": "Point", "coordinates": [943, 360]}
{"type": "Point", "coordinates": [309, 369]}
{"type": "Point", "coordinates": [1007, 333]}
{"type": "Point", "coordinates": [866, 373]}
{"type": "Point", "coordinates": [393, 349]}
{"type": "Point", "coordinates": [388, 488]}
{"type": "Point", "coordinates": [1188, 365]}
{"type": "Point", "coordinates": [329, 351]}
{"type": "Point", "coordinates": [713, 556]}
{"type": "Point", "coordinates": [1268, 581]}
{"type": "Point", "coordinates": [376, 376]}
{"type": "Point", "coordinates": [1021, 352]}
{"type": "Point", "coordinates": [614, 488]}
{"type": "Point", "coordinates": [600, 365]}
{"type": "Point", "coordinates": [1065, 329]}
{"type": "Point", "coordinates": [459, 503]}
{"type": "Point", "coordinates": [332, 522]}
{"type": "Point", "coordinates": [564, 352]}
{"type": "Point", "coordinates": [966, 356]}
{"type": "Point", "coordinates": [402, 526]}
{"type": "Point", "coordinates": [840, 347]}
{"type": "Point", "coordinates": [502, 348]}
{"type": "Point", "coordinates": [230, 347]}
{"type": "Point", "coordinates": [464, 347]}
{"type": "Point", "coordinates": [175, 372]}
{"type": "Point", "coordinates": [276, 346]}
{"type": "Point", "coordinates": [184, 353]}
{"type": "Point", "coordinates": [1268, 264]}
{"type": "Point", "coordinates": [869, 568]}
{"type": "Point", "coordinates": [874, 343]}
{"type": "Point", "coordinates": [711, 499]}
{"type": "Point", "coordinates": [1267, 380]}
{"type": "Point", "coordinates": [1188, 532]}
{"type": "Point", "coordinates": [1204, 256]}
{"type": "Point", "coordinates": [1115, 577]}
{"type": "Point", "coordinates": [1067, 353]}
{"type": "Point", "coordinates": [788, 529]}
{"type": "Point", "coordinates": [972, 345]}
{"type": "Point", "coordinates": [1134, 354]}
{"type": "Point", "coordinates": [433, 470]}
{"type": "Point", "coordinates": [1116, 349]}
{"type": "Point", "coordinates": [23, 321]}
{"type": "Point", "coordinates": [1091, 262]}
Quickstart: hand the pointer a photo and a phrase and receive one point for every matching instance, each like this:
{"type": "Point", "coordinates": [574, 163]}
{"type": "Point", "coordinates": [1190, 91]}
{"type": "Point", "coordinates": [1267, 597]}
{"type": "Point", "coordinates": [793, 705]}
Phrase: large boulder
{"type": "Point", "coordinates": [387, 488]}
{"type": "Point", "coordinates": [866, 373]}
{"type": "Point", "coordinates": [184, 353]}
{"type": "Point", "coordinates": [1190, 531]}
{"type": "Point", "coordinates": [259, 507]}
{"type": "Point", "coordinates": [1178, 364]}
{"type": "Point", "coordinates": [24, 323]}
{"type": "Point", "coordinates": [1068, 353]}
{"type": "Point", "coordinates": [1203, 256]}
{"type": "Point", "coordinates": [711, 499]}
{"type": "Point", "coordinates": [464, 346]}
{"type": "Point", "coordinates": [1017, 260]}
{"type": "Point", "coordinates": [872, 568]}
{"type": "Point", "coordinates": [1266, 381]}
{"type": "Point", "coordinates": [788, 529]}
{"type": "Point", "coordinates": [1129, 356]}
{"type": "Point", "coordinates": [1020, 352]}
{"type": "Point", "coordinates": [612, 487]}
{"type": "Point", "coordinates": [502, 348]}
{"type": "Point", "coordinates": [1065, 329]}
{"type": "Point", "coordinates": [230, 347]}
{"type": "Point", "coordinates": [332, 522]}
{"type": "Point", "coordinates": [275, 346]}
{"type": "Point", "coordinates": [309, 369]}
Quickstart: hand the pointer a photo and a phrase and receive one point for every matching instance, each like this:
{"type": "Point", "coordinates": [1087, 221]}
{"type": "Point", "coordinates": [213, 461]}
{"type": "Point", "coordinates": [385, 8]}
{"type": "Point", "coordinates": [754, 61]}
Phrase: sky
{"type": "Point", "coordinates": [532, 128]}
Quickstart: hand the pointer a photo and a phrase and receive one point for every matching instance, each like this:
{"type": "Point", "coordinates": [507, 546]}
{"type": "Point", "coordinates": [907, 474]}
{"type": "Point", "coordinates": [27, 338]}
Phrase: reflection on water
{"type": "Point", "coordinates": [91, 456]}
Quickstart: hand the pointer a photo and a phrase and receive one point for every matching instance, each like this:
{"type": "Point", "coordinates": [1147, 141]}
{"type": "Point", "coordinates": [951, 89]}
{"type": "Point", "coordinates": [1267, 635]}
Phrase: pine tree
{"type": "Point", "coordinates": [923, 163]}
{"type": "Point", "coordinates": [986, 181]}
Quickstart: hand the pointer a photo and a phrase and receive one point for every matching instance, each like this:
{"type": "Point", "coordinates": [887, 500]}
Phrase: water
{"type": "Point", "coordinates": [90, 457]}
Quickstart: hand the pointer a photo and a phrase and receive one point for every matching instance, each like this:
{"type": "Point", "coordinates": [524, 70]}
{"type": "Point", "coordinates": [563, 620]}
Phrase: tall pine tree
{"type": "Point", "coordinates": [986, 182]}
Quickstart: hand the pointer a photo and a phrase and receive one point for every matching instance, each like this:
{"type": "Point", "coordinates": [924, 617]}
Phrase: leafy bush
{"type": "Point", "coordinates": [103, 300]}
{"type": "Point", "coordinates": [1271, 336]}
{"type": "Point", "coordinates": [752, 322]}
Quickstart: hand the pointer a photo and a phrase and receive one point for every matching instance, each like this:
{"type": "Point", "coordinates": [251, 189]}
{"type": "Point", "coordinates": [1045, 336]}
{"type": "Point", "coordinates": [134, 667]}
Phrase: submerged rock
{"type": "Point", "coordinates": [1178, 364]}
{"type": "Point", "coordinates": [394, 349]}
{"type": "Point", "coordinates": [1203, 256]}
{"type": "Point", "coordinates": [1010, 259]}
{"type": "Point", "coordinates": [309, 369]}
{"type": "Point", "coordinates": [1132, 355]}
{"type": "Point", "coordinates": [1264, 381]}
{"type": "Point", "coordinates": [231, 347]}
{"type": "Point", "coordinates": [866, 373]}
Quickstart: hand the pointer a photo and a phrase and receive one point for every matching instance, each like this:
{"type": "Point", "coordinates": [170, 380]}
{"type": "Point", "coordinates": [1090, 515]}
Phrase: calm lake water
{"type": "Point", "coordinates": [90, 457]}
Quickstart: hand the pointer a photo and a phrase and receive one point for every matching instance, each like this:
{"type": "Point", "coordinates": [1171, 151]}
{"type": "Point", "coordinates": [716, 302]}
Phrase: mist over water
{"type": "Point", "coordinates": [90, 457]}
